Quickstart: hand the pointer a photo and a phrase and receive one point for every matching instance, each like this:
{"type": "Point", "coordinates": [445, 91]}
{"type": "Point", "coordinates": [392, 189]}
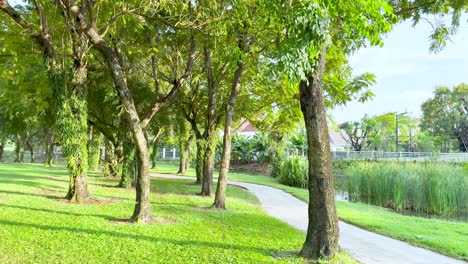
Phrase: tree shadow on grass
{"type": "Point", "coordinates": [55, 211]}
{"type": "Point", "coordinates": [31, 181]}
{"type": "Point", "coordinates": [137, 237]}
{"type": "Point", "coordinates": [33, 194]}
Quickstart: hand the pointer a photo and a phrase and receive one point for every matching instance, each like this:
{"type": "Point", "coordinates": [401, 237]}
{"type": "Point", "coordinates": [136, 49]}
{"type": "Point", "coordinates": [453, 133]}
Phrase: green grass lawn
{"type": "Point", "coordinates": [444, 236]}
{"type": "Point", "coordinates": [37, 227]}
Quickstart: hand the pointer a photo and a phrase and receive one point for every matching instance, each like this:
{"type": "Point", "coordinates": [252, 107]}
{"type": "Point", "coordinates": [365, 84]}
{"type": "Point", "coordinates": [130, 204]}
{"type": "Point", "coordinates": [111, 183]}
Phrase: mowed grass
{"type": "Point", "coordinates": [443, 236]}
{"type": "Point", "coordinates": [37, 227]}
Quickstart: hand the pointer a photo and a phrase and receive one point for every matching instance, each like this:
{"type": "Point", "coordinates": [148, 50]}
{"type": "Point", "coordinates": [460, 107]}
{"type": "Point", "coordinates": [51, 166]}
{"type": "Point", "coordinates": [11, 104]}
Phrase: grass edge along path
{"type": "Point", "coordinates": [36, 226]}
{"type": "Point", "coordinates": [445, 237]}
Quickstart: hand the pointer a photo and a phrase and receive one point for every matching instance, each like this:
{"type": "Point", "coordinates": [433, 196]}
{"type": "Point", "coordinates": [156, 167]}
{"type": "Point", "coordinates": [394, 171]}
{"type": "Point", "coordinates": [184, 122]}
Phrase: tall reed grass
{"type": "Point", "coordinates": [434, 188]}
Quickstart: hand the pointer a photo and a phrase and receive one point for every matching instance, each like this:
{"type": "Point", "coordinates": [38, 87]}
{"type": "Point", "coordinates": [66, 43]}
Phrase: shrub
{"type": "Point", "coordinates": [293, 172]}
{"type": "Point", "coordinates": [434, 188]}
{"type": "Point", "coordinates": [276, 168]}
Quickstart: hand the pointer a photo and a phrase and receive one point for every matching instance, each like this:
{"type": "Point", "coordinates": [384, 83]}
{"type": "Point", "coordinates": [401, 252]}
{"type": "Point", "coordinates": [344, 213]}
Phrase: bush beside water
{"type": "Point", "coordinates": [434, 188]}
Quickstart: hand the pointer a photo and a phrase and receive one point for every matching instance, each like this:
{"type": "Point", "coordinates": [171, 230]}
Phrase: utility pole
{"type": "Point", "coordinates": [396, 132]}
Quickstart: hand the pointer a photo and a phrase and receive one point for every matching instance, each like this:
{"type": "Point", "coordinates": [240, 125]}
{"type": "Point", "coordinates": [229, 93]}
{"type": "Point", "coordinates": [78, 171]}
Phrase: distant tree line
{"type": "Point", "coordinates": [443, 126]}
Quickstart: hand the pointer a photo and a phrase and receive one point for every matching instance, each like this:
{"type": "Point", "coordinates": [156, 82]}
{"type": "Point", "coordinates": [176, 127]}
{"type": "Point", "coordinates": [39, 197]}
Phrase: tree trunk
{"type": "Point", "coordinates": [183, 157]}
{"type": "Point", "coordinates": [462, 145]}
{"type": "Point", "coordinates": [208, 164]}
{"type": "Point", "coordinates": [71, 109]}
{"type": "Point", "coordinates": [142, 211]}
{"type": "Point", "coordinates": [112, 161]}
{"type": "Point", "coordinates": [199, 160]}
{"type": "Point", "coordinates": [30, 146]}
{"type": "Point", "coordinates": [94, 147]}
{"type": "Point", "coordinates": [210, 127]}
{"type": "Point", "coordinates": [2, 147]}
{"type": "Point", "coordinates": [154, 154]}
{"type": "Point", "coordinates": [19, 149]}
{"type": "Point", "coordinates": [189, 152]}
{"type": "Point", "coordinates": [129, 165]}
{"type": "Point", "coordinates": [220, 197]}
{"type": "Point", "coordinates": [31, 152]}
{"type": "Point", "coordinates": [128, 168]}
{"type": "Point", "coordinates": [49, 147]}
{"type": "Point", "coordinates": [185, 149]}
{"type": "Point", "coordinates": [322, 233]}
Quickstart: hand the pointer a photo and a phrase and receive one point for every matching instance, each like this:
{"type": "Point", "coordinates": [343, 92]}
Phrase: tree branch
{"type": "Point", "coordinates": [175, 87]}
{"type": "Point", "coordinates": [42, 38]}
{"type": "Point", "coordinates": [115, 18]}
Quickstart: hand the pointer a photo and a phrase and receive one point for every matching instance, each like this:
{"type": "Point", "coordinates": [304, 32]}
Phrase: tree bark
{"type": "Point", "coordinates": [185, 149]}
{"type": "Point", "coordinates": [182, 159]}
{"type": "Point", "coordinates": [30, 146]}
{"type": "Point", "coordinates": [107, 167]}
{"type": "Point", "coordinates": [49, 147]}
{"type": "Point", "coordinates": [210, 128]}
{"type": "Point", "coordinates": [199, 160]}
{"type": "Point", "coordinates": [208, 164]}
{"type": "Point", "coordinates": [154, 147]}
{"type": "Point", "coordinates": [76, 137]}
{"type": "Point", "coordinates": [19, 149]}
{"type": "Point", "coordinates": [31, 152]}
{"type": "Point", "coordinates": [220, 197]}
{"type": "Point", "coordinates": [129, 162]}
{"type": "Point", "coordinates": [94, 147]}
{"type": "Point", "coordinates": [322, 233]}
{"type": "Point", "coordinates": [189, 152]}
{"type": "Point", "coordinates": [129, 165]}
{"type": "Point", "coordinates": [154, 154]}
{"type": "Point", "coordinates": [2, 147]}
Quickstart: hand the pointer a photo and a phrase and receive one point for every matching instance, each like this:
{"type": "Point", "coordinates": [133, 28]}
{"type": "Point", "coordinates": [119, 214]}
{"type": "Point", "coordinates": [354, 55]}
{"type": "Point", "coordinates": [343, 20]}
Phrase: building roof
{"type": "Point", "coordinates": [337, 139]}
{"type": "Point", "coordinates": [246, 126]}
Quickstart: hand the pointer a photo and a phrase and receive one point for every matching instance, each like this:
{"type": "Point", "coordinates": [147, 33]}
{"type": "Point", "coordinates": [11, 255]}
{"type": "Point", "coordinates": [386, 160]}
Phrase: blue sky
{"type": "Point", "coordinates": [406, 71]}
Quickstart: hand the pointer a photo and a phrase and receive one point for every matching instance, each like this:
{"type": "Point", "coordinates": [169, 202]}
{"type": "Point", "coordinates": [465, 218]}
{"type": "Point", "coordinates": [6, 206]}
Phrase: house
{"type": "Point", "coordinates": [247, 129]}
{"type": "Point", "coordinates": [337, 142]}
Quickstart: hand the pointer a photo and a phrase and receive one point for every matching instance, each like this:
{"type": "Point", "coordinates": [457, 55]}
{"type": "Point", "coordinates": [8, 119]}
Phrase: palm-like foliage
{"type": "Point", "coordinates": [299, 143]}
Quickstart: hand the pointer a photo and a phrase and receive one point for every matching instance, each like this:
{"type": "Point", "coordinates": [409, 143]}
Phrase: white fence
{"type": "Point", "coordinates": [168, 153]}
{"type": "Point", "coordinates": [403, 156]}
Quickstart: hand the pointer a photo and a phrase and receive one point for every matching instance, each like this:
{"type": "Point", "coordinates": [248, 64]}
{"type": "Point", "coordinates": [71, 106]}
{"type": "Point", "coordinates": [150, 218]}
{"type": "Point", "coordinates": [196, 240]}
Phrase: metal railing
{"type": "Point", "coordinates": [402, 156]}
{"type": "Point", "coordinates": [170, 153]}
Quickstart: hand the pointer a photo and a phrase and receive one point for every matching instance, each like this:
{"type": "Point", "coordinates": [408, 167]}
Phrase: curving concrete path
{"type": "Point", "coordinates": [364, 246]}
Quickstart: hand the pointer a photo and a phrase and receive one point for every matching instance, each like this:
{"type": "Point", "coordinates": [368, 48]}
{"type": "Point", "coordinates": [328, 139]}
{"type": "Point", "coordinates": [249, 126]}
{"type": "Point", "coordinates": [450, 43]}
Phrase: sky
{"type": "Point", "coordinates": [407, 72]}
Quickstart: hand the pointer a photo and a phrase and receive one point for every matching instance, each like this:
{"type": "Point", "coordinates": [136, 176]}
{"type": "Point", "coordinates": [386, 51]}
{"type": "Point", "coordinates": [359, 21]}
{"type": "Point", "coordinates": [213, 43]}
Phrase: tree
{"type": "Point", "coordinates": [307, 28]}
{"type": "Point", "coordinates": [247, 39]}
{"type": "Point", "coordinates": [70, 108]}
{"type": "Point", "coordinates": [87, 22]}
{"type": "Point", "coordinates": [445, 114]}
{"type": "Point", "coordinates": [359, 134]}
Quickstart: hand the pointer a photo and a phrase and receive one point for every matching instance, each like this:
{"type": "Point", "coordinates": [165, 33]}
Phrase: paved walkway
{"type": "Point", "coordinates": [364, 246]}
